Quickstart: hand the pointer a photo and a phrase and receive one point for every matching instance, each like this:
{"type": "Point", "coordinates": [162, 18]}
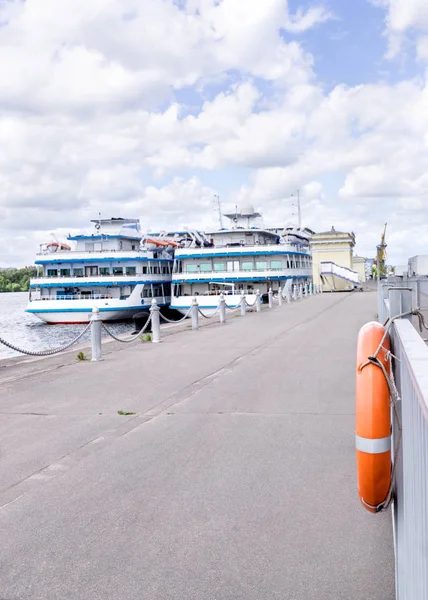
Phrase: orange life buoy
{"type": "Point", "coordinates": [373, 419]}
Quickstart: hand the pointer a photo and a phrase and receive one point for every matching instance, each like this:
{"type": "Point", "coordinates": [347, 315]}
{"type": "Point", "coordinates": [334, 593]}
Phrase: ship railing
{"type": "Point", "coordinates": [75, 297]}
{"type": "Point", "coordinates": [410, 506]}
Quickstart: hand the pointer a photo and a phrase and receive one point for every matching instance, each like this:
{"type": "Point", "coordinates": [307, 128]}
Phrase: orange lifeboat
{"type": "Point", "coordinates": [55, 246]}
{"type": "Point", "coordinates": [373, 419]}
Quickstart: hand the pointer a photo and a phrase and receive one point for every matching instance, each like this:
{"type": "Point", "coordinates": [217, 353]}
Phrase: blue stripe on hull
{"type": "Point", "coordinates": [89, 309]}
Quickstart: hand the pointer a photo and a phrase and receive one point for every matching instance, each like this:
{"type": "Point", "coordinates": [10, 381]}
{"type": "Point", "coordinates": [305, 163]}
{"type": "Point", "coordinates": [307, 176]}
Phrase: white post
{"type": "Point", "coordinates": [270, 297]}
{"type": "Point", "coordinates": [222, 309]}
{"type": "Point", "coordinates": [195, 314]}
{"type": "Point", "coordinates": [321, 288]}
{"type": "Point", "coordinates": [243, 304]}
{"type": "Point", "coordinates": [287, 295]}
{"type": "Point", "coordinates": [300, 291]}
{"type": "Point", "coordinates": [96, 334]}
{"type": "Point", "coordinates": [258, 301]}
{"type": "Point", "coordinates": [154, 311]}
{"type": "Point", "coordinates": [279, 296]}
{"type": "Point", "coordinates": [294, 292]}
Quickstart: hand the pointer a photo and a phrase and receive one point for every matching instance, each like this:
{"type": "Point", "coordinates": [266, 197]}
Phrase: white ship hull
{"type": "Point", "coordinates": [209, 304]}
{"type": "Point", "coordinates": [80, 311]}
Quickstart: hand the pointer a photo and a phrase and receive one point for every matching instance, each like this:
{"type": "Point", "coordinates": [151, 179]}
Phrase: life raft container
{"type": "Point", "coordinates": [373, 418]}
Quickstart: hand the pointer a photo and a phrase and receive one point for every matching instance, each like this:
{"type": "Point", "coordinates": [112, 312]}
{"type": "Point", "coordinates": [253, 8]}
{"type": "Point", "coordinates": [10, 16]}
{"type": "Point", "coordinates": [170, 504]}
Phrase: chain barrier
{"type": "Point", "coordinates": [210, 317]}
{"type": "Point", "coordinates": [45, 352]}
{"type": "Point", "coordinates": [252, 304]}
{"type": "Point", "coordinates": [394, 395]}
{"type": "Point", "coordinates": [232, 307]}
{"type": "Point", "coordinates": [136, 336]}
{"type": "Point", "coordinates": [179, 320]}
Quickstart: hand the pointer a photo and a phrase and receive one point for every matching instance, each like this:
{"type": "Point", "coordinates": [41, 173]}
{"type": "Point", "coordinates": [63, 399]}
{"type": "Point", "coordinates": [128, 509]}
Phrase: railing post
{"type": "Point", "coordinates": [96, 334]}
{"type": "Point", "coordinates": [400, 301]}
{"type": "Point", "coordinates": [279, 296]}
{"type": "Point", "coordinates": [243, 304]}
{"type": "Point", "coordinates": [270, 297]}
{"type": "Point", "coordinates": [154, 311]}
{"type": "Point", "coordinates": [258, 301]}
{"type": "Point", "coordinates": [222, 309]}
{"type": "Point", "coordinates": [195, 314]}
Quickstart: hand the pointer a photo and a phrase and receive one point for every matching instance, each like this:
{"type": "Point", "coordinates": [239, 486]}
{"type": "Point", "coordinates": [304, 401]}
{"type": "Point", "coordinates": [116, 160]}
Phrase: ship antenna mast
{"type": "Point", "coordinates": [299, 212]}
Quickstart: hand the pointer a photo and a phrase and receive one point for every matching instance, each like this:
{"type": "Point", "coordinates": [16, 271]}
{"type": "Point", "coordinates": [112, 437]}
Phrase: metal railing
{"type": "Point", "coordinates": [410, 507]}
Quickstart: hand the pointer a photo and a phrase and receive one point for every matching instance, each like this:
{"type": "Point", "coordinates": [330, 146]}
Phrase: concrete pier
{"type": "Point", "coordinates": [234, 480]}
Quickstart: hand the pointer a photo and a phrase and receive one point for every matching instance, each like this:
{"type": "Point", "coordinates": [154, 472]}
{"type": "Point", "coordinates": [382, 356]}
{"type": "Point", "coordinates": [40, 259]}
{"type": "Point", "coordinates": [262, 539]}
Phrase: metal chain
{"type": "Point", "coordinates": [179, 320]}
{"type": "Point", "coordinates": [134, 337]}
{"type": "Point", "coordinates": [252, 304]}
{"type": "Point", "coordinates": [45, 352]}
{"type": "Point", "coordinates": [233, 307]}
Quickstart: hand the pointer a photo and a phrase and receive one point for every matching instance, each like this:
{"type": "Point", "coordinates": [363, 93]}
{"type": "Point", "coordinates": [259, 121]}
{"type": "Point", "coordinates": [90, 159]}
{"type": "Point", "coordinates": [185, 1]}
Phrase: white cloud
{"type": "Point", "coordinates": [405, 20]}
{"type": "Point", "coordinates": [89, 121]}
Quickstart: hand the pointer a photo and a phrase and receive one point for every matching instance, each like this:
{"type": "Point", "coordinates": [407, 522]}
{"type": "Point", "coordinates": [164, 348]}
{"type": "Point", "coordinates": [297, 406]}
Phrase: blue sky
{"type": "Point", "coordinates": [153, 115]}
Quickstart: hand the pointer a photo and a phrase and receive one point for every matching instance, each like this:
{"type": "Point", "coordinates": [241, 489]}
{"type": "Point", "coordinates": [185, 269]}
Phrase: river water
{"type": "Point", "coordinates": [28, 332]}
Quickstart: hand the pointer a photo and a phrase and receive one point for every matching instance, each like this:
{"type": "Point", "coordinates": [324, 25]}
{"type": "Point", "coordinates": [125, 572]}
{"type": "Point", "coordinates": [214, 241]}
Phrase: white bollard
{"type": "Point", "coordinates": [321, 288]}
{"type": "Point", "coordinates": [195, 314]}
{"type": "Point", "coordinates": [294, 292]}
{"type": "Point", "coordinates": [287, 295]}
{"type": "Point", "coordinates": [279, 296]}
{"type": "Point", "coordinates": [300, 291]}
{"type": "Point", "coordinates": [243, 304]}
{"type": "Point", "coordinates": [154, 311]}
{"type": "Point", "coordinates": [96, 335]}
{"type": "Point", "coordinates": [258, 301]}
{"type": "Point", "coordinates": [310, 289]}
{"type": "Point", "coordinates": [270, 298]}
{"type": "Point", "coordinates": [222, 309]}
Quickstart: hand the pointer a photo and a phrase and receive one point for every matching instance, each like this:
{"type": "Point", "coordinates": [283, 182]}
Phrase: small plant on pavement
{"type": "Point", "coordinates": [81, 356]}
{"type": "Point", "coordinates": [125, 413]}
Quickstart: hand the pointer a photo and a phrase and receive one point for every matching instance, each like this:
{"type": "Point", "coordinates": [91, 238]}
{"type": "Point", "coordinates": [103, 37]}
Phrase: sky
{"type": "Point", "coordinates": [149, 108]}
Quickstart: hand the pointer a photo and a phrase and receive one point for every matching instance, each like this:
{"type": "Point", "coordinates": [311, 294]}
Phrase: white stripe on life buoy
{"type": "Point", "coordinates": [370, 446]}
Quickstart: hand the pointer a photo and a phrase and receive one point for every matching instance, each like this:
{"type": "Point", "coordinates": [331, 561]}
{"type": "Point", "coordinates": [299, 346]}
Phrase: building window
{"type": "Point", "coordinates": [117, 270]}
{"type": "Point", "coordinates": [219, 267]}
{"type": "Point", "coordinates": [52, 272]}
{"type": "Point", "coordinates": [247, 266]}
{"type": "Point", "coordinates": [191, 268]}
{"type": "Point", "coordinates": [204, 267]}
{"type": "Point", "coordinates": [78, 272]}
{"type": "Point", "coordinates": [130, 270]}
{"type": "Point", "coordinates": [65, 272]}
{"type": "Point", "coordinates": [276, 265]}
{"type": "Point", "coordinates": [261, 265]}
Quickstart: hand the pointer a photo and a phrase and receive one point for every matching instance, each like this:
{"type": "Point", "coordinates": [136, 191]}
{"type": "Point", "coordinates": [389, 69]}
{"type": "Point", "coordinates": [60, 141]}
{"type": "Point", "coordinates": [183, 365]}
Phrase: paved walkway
{"type": "Point", "coordinates": [235, 480]}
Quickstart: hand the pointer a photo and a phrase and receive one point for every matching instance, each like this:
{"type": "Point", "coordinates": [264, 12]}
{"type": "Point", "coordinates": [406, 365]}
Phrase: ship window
{"type": "Point", "coordinates": [117, 270]}
{"type": "Point", "coordinates": [191, 268]}
{"type": "Point", "coordinates": [261, 265]}
{"type": "Point", "coordinates": [130, 270]}
{"type": "Point", "coordinates": [52, 272]}
{"type": "Point", "coordinates": [104, 270]}
{"type": "Point", "coordinates": [78, 272]}
{"type": "Point", "coordinates": [276, 265]}
{"type": "Point", "coordinates": [155, 270]}
{"type": "Point", "coordinates": [247, 266]}
{"type": "Point", "coordinates": [157, 290]}
{"type": "Point", "coordinates": [65, 272]}
{"type": "Point", "coordinates": [219, 267]}
{"type": "Point", "coordinates": [144, 270]}
{"type": "Point", "coordinates": [147, 292]}
{"type": "Point", "coordinates": [204, 267]}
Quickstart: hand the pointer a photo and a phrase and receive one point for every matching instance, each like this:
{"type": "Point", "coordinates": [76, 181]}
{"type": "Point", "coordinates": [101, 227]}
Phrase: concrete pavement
{"type": "Point", "coordinates": [234, 480]}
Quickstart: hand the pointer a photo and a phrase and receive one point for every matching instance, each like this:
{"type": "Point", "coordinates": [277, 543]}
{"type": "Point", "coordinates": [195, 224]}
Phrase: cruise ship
{"type": "Point", "coordinates": [113, 269]}
{"type": "Point", "coordinates": [244, 257]}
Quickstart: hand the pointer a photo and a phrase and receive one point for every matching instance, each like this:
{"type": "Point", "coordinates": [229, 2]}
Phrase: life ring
{"type": "Point", "coordinates": [373, 418]}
